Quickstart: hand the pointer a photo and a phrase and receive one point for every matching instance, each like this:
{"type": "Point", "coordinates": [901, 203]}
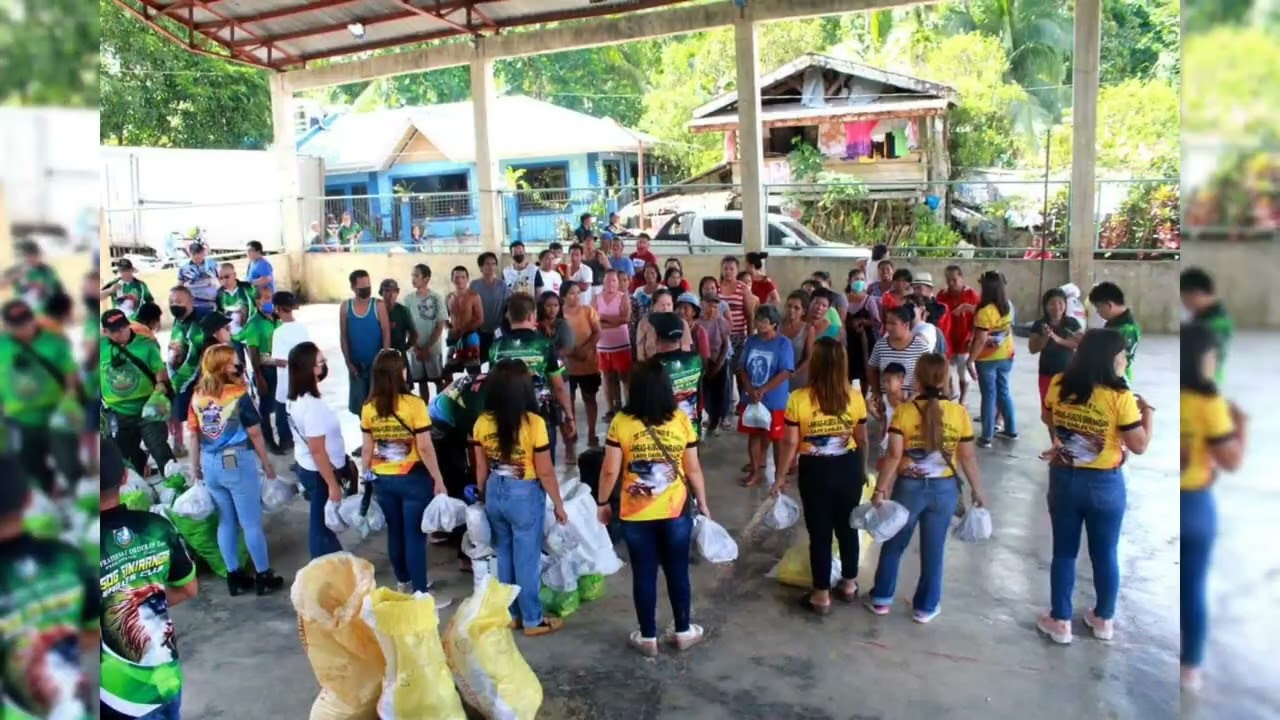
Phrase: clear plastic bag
{"type": "Point", "coordinates": [276, 494]}
{"type": "Point", "coordinates": [881, 523]}
{"type": "Point", "coordinates": [333, 516]}
{"type": "Point", "coordinates": [444, 514]}
{"type": "Point", "coordinates": [975, 526]}
{"type": "Point", "coordinates": [757, 416]}
{"type": "Point", "coordinates": [784, 513]}
{"type": "Point", "coordinates": [195, 504]}
{"type": "Point", "coordinates": [590, 540]}
{"type": "Point", "coordinates": [560, 574]}
{"type": "Point", "coordinates": [714, 543]}
{"type": "Point", "coordinates": [478, 526]}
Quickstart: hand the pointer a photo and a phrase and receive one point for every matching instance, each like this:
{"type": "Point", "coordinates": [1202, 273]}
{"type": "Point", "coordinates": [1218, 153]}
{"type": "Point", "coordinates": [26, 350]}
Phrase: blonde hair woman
{"type": "Point", "coordinates": [226, 432]}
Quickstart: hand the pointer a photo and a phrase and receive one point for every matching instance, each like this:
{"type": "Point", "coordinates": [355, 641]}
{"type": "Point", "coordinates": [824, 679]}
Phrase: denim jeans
{"type": "Point", "coordinates": [931, 502]}
{"type": "Point", "coordinates": [238, 494]}
{"type": "Point", "coordinates": [171, 710]}
{"type": "Point", "coordinates": [320, 539]}
{"type": "Point", "coordinates": [993, 384]}
{"type": "Point", "coordinates": [1096, 500]}
{"type": "Point", "coordinates": [403, 499]}
{"type": "Point", "coordinates": [516, 509]}
{"type": "Point", "coordinates": [653, 544]}
{"type": "Point", "coordinates": [284, 434]}
{"type": "Point", "coordinates": [1199, 528]}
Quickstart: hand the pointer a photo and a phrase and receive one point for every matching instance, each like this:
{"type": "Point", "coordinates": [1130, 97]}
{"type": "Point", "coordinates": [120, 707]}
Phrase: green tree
{"type": "Point", "coordinates": [49, 53]}
{"type": "Point", "coordinates": [1229, 82]}
{"type": "Point", "coordinates": [1140, 39]}
{"type": "Point", "coordinates": [1138, 130]}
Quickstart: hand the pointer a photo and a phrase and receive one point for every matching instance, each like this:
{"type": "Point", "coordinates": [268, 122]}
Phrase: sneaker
{"type": "Point", "coordinates": [1102, 629]}
{"type": "Point", "coordinates": [924, 618]}
{"type": "Point", "coordinates": [268, 582]}
{"type": "Point", "coordinates": [1191, 679]}
{"type": "Point", "coordinates": [984, 442]}
{"type": "Point", "coordinates": [548, 626]}
{"type": "Point", "coordinates": [877, 608]}
{"type": "Point", "coordinates": [404, 588]}
{"type": "Point", "coordinates": [1007, 435]}
{"type": "Point", "coordinates": [647, 647]}
{"type": "Point", "coordinates": [688, 638]}
{"type": "Point", "coordinates": [1058, 631]}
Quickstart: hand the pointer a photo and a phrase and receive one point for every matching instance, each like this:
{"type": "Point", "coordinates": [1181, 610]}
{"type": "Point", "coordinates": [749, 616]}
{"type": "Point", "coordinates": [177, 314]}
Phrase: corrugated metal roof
{"type": "Point", "coordinates": [523, 127]}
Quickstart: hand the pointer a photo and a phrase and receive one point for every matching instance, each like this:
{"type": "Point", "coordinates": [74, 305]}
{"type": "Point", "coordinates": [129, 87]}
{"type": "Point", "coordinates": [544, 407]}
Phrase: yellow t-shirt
{"type": "Point", "coordinates": [651, 488]}
{"type": "Point", "coordinates": [1090, 433]}
{"type": "Point", "coordinates": [395, 442]}
{"type": "Point", "coordinates": [999, 333]}
{"type": "Point", "coordinates": [533, 439]}
{"type": "Point", "coordinates": [908, 422]}
{"type": "Point", "coordinates": [822, 434]}
{"type": "Point", "coordinates": [1206, 421]}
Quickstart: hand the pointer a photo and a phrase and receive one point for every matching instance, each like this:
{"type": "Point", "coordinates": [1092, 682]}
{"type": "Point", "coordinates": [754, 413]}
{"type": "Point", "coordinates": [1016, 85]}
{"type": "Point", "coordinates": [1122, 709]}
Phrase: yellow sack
{"type": "Point", "coordinates": [491, 674]}
{"type": "Point", "coordinates": [328, 594]}
{"type": "Point", "coordinates": [793, 568]}
{"type": "Point", "coordinates": [417, 683]}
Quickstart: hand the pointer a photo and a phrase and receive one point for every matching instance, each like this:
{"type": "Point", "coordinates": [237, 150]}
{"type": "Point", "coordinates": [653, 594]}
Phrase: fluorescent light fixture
{"type": "Point", "coordinates": [357, 30]}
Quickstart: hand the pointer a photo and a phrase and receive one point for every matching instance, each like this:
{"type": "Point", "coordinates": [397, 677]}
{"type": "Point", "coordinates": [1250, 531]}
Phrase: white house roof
{"type": "Point", "coordinates": [523, 127]}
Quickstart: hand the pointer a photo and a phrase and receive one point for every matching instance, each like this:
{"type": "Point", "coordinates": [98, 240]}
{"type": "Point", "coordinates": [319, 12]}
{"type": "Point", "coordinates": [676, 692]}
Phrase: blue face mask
{"type": "Point", "coordinates": [858, 286]}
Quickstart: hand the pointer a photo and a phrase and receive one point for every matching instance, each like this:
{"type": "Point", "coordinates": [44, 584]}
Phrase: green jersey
{"type": "Point", "coordinates": [183, 369]}
{"type": "Point", "coordinates": [129, 295]}
{"type": "Point", "coordinates": [142, 555]}
{"type": "Point", "coordinates": [257, 334]}
{"type": "Point", "coordinates": [1216, 320]}
{"type": "Point", "coordinates": [684, 367]}
{"type": "Point", "coordinates": [1128, 328]}
{"type": "Point", "coordinates": [350, 234]}
{"type": "Point", "coordinates": [125, 386]}
{"type": "Point", "coordinates": [239, 306]}
{"type": "Point", "coordinates": [35, 376]}
{"type": "Point", "coordinates": [36, 284]}
{"type": "Point", "coordinates": [47, 598]}
{"type": "Point", "coordinates": [538, 352]}
{"type": "Point", "coordinates": [460, 403]}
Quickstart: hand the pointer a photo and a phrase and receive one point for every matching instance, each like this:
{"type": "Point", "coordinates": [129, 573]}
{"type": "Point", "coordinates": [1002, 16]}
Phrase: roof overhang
{"type": "Point", "coordinates": [798, 116]}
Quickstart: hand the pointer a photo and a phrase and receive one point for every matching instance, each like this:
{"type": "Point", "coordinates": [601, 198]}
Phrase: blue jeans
{"type": "Point", "coordinates": [516, 509]}
{"type": "Point", "coordinates": [1199, 528]}
{"type": "Point", "coordinates": [171, 710]}
{"type": "Point", "coordinates": [320, 539]}
{"type": "Point", "coordinates": [1096, 500]}
{"type": "Point", "coordinates": [993, 383]}
{"type": "Point", "coordinates": [932, 503]}
{"type": "Point", "coordinates": [238, 494]}
{"type": "Point", "coordinates": [403, 499]}
{"type": "Point", "coordinates": [660, 543]}
{"type": "Point", "coordinates": [284, 434]}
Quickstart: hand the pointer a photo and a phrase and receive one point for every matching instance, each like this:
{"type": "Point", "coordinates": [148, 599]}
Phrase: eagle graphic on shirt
{"type": "Point", "coordinates": [651, 478]}
{"type": "Point", "coordinates": [827, 445]}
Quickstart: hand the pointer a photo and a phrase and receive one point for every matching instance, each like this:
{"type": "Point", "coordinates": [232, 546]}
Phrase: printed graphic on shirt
{"type": "Point", "coordinates": [1205, 422]}
{"type": "Point", "coordinates": [759, 364]}
{"type": "Point", "coordinates": [1088, 434]}
{"type": "Point", "coordinates": [532, 349]}
{"type": "Point", "coordinates": [519, 465]}
{"type": "Point", "coordinates": [395, 445]}
{"type": "Point", "coordinates": [917, 461]}
{"type": "Point", "coordinates": [220, 420]}
{"type": "Point", "coordinates": [685, 371]}
{"type": "Point", "coordinates": [999, 327]}
{"type": "Point", "coordinates": [653, 487]}
{"type": "Point", "coordinates": [822, 434]}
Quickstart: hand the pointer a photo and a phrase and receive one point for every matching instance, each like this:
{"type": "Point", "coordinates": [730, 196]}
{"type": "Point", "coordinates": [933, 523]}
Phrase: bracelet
{"type": "Point", "coordinates": [602, 504]}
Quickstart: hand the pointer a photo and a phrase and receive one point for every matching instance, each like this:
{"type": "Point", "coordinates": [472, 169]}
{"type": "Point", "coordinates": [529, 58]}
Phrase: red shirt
{"type": "Point", "coordinates": [644, 258]}
{"type": "Point", "coordinates": [889, 301]}
{"type": "Point", "coordinates": [961, 334]}
{"type": "Point", "coordinates": [762, 289]}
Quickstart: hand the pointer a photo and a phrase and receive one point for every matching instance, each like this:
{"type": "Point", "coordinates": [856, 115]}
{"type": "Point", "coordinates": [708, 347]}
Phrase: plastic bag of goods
{"type": "Point", "coordinates": [156, 408]}
{"type": "Point", "coordinates": [42, 518]}
{"type": "Point", "coordinates": [592, 541]}
{"type": "Point", "coordinates": [443, 514]}
{"type": "Point", "coordinates": [491, 674]}
{"type": "Point", "coordinates": [136, 494]}
{"type": "Point", "coordinates": [794, 569]}
{"type": "Point", "coordinates": [559, 603]}
{"type": "Point", "coordinates": [591, 587]}
{"type": "Point", "coordinates": [328, 595]}
{"type": "Point", "coordinates": [714, 543]}
{"type": "Point", "coordinates": [881, 523]}
{"type": "Point", "coordinates": [201, 538]}
{"type": "Point", "coordinates": [975, 526]}
{"type": "Point", "coordinates": [277, 493]}
{"type": "Point", "coordinates": [757, 416]}
{"type": "Point", "coordinates": [194, 504]}
{"type": "Point", "coordinates": [784, 513]}
{"type": "Point", "coordinates": [366, 523]}
{"type": "Point", "coordinates": [417, 682]}
{"type": "Point", "coordinates": [478, 529]}
{"type": "Point", "coordinates": [560, 573]}
{"type": "Point", "coordinates": [176, 475]}
{"type": "Point", "coordinates": [88, 493]}
{"type": "Point", "coordinates": [557, 539]}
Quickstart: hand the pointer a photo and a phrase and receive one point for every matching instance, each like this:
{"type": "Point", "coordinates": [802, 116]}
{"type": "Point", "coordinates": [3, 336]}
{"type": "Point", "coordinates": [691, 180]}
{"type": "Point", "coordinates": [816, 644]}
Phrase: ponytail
{"type": "Point", "coordinates": [933, 425]}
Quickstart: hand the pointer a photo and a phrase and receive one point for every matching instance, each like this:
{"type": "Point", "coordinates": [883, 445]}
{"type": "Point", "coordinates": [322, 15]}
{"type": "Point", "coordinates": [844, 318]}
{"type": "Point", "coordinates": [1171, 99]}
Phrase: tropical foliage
{"type": "Point", "coordinates": [48, 53]}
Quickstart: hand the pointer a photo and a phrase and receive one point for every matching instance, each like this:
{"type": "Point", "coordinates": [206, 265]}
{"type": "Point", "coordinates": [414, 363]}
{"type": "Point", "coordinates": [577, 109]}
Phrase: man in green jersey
{"type": "Point", "coordinates": [256, 338]}
{"type": "Point", "coordinates": [1200, 300]}
{"type": "Point", "coordinates": [126, 291]}
{"type": "Point", "coordinates": [236, 299]}
{"type": "Point", "coordinates": [132, 371]}
{"type": "Point", "coordinates": [33, 280]}
{"type": "Point", "coordinates": [186, 342]}
{"type": "Point", "coordinates": [1108, 299]}
{"type": "Point", "coordinates": [684, 367]}
{"type": "Point", "coordinates": [41, 380]}
{"type": "Point", "coordinates": [49, 609]}
{"type": "Point", "coordinates": [144, 570]}
{"type": "Point", "coordinates": [526, 343]}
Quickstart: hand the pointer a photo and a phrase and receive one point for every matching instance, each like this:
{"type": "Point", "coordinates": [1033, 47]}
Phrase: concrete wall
{"type": "Point", "coordinates": [160, 281]}
{"type": "Point", "coordinates": [1244, 274]}
{"type": "Point", "coordinates": [1151, 286]}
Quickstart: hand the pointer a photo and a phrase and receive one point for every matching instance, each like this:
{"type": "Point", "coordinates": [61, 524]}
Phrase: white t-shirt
{"type": "Point", "coordinates": [309, 417]}
{"type": "Point", "coordinates": [283, 340]}
{"type": "Point", "coordinates": [520, 280]}
{"type": "Point", "coordinates": [547, 280]}
{"type": "Point", "coordinates": [584, 277]}
{"type": "Point", "coordinates": [929, 332]}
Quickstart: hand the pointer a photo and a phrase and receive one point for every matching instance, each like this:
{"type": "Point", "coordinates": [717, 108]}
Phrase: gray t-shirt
{"type": "Point", "coordinates": [492, 298]}
{"type": "Point", "coordinates": [427, 313]}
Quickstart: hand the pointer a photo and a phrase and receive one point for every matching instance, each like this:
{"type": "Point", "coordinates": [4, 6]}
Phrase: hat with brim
{"type": "Point", "coordinates": [667, 326]}
{"type": "Point", "coordinates": [113, 320]}
{"type": "Point", "coordinates": [688, 299]}
{"type": "Point", "coordinates": [922, 278]}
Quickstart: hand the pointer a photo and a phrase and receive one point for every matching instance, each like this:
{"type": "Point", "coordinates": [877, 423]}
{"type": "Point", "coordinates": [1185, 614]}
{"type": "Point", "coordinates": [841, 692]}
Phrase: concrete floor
{"type": "Point", "coordinates": [765, 658]}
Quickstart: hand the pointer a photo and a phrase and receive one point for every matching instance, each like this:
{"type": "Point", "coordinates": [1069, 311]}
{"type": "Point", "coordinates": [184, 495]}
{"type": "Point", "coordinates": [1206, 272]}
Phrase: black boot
{"type": "Point", "coordinates": [239, 581]}
{"type": "Point", "coordinates": [268, 582]}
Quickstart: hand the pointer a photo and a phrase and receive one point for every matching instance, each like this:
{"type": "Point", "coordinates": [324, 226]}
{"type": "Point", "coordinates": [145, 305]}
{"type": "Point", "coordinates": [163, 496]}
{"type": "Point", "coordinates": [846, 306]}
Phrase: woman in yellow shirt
{"type": "Point", "coordinates": [1213, 437]}
{"type": "Point", "coordinates": [929, 437]}
{"type": "Point", "coordinates": [652, 447]}
{"type": "Point", "coordinates": [515, 475]}
{"type": "Point", "coordinates": [826, 424]}
{"type": "Point", "coordinates": [400, 460]}
{"type": "Point", "coordinates": [1093, 419]}
{"type": "Point", "coordinates": [991, 358]}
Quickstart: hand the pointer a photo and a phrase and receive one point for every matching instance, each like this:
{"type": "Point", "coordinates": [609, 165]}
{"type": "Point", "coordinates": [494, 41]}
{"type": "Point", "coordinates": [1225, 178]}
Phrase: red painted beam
{"type": "Point", "coordinates": [440, 17]}
{"type": "Point", "coordinates": [267, 42]}
{"type": "Point", "coordinates": [380, 45]}
{"type": "Point", "coordinates": [276, 14]}
{"type": "Point", "coordinates": [376, 20]}
{"type": "Point", "coordinates": [184, 44]}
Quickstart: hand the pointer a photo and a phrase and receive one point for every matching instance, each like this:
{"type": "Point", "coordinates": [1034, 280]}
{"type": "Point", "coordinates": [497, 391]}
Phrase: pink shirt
{"type": "Point", "coordinates": [615, 338]}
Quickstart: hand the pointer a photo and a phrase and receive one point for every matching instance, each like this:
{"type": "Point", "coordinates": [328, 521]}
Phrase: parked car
{"type": "Point", "coordinates": [712, 231]}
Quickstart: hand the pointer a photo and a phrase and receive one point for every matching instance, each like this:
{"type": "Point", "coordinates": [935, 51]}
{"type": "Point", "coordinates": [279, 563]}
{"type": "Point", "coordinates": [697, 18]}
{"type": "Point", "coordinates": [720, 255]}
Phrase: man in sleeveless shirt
{"type": "Point", "coordinates": [365, 330]}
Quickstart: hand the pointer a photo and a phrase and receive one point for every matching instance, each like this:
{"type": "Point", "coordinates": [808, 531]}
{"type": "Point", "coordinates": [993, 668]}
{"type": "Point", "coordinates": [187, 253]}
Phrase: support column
{"type": "Point", "coordinates": [750, 140]}
{"type": "Point", "coordinates": [1084, 143]}
{"type": "Point", "coordinates": [488, 180]}
{"type": "Point", "coordinates": [283, 146]}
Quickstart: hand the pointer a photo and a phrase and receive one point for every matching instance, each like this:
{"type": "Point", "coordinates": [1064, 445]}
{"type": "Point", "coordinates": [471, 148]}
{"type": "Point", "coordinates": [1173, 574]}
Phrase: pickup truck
{"type": "Point", "coordinates": [712, 232]}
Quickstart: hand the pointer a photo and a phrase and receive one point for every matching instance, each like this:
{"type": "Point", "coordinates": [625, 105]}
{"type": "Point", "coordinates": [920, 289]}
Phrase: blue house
{"type": "Point", "coordinates": [415, 166]}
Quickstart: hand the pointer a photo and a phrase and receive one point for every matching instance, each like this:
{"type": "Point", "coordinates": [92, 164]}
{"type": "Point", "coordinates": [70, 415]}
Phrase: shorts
{"type": "Point", "coordinates": [429, 369]}
{"type": "Point", "coordinates": [1045, 381]}
{"type": "Point", "coordinates": [777, 425]}
{"type": "Point", "coordinates": [181, 404]}
{"type": "Point", "coordinates": [589, 384]}
{"type": "Point", "coordinates": [960, 361]}
{"type": "Point", "coordinates": [615, 361]}
{"type": "Point", "coordinates": [466, 353]}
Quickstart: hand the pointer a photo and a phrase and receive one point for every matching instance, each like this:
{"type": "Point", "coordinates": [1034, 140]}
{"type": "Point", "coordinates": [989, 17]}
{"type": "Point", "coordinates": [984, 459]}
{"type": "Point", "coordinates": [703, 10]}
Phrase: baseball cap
{"type": "Point", "coordinates": [114, 320]}
{"type": "Point", "coordinates": [196, 247]}
{"type": "Point", "coordinates": [124, 264]}
{"type": "Point", "coordinates": [17, 312]}
{"type": "Point", "coordinates": [667, 326]}
{"type": "Point", "coordinates": [284, 300]}
{"type": "Point", "coordinates": [922, 278]}
{"type": "Point", "coordinates": [689, 299]}
{"type": "Point", "coordinates": [213, 322]}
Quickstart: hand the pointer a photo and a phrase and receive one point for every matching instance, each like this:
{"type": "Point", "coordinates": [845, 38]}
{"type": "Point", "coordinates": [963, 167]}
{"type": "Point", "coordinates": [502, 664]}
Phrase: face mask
{"type": "Point", "coordinates": [518, 258]}
{"type": "Point", "coordinates": [364, 293]}
{"type": "Point", "coordinates": [324, 372]}
{"type": "Point", "coordinates": [178, 311]}
{"type": "Point", "coordinates": [858, 286]}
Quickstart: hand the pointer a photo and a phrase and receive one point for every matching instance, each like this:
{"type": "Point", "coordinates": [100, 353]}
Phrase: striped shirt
{"type": "Point", "coordinates": [884, 354]}
{"type": "Point", "coordinates": [737, 303]}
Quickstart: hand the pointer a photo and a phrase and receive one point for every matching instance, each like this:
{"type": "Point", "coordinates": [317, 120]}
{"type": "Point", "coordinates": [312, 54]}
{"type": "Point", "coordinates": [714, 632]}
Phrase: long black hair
{"type": "Point", "coordinates": [650, 398]}
{"type": "Point", "coordinates": [302, 365]}
{"type": "Point", "coordinates": [1093, 365]}
{"type": "Point", "coordinates": [508, 395]}
{"type": "Point", "coordinates": [1197, 341]}
{"type": "Point", "coordinates": [993, 292]}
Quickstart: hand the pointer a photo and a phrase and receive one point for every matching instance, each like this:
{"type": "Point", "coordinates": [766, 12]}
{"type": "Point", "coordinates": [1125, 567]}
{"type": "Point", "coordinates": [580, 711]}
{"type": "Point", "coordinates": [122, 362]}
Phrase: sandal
{"type": "Point", "coordinates": [806, 602]}
{"type": "Point", "coordinates": [847, 596]}
{"type": "Point", "coordinates": [647, 647]}
{"type": "Point", "coordinates": [750, 480]}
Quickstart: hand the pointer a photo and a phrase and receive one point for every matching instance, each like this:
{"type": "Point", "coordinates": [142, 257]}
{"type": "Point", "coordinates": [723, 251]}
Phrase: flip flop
{"type": "Point", "coordinates": [806, 602]}
{"type": "Point", "coordinates": [847, 597]}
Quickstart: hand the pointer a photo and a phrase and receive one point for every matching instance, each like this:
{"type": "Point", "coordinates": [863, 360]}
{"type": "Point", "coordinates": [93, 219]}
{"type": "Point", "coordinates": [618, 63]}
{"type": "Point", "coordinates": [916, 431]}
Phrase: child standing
{"type": "Point", "coordinates": [1200, 300]}
{"type": "Point", "coordinates": [1108, 300]}
{"type": "Point", "coordinates": [895, 377]}
{"type": "Point", "coordinates": [764, 372]}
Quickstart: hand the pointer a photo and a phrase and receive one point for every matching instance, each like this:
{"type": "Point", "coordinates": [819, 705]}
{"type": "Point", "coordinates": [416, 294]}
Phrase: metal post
{"type": "Point", "coordinates": [640, 185]}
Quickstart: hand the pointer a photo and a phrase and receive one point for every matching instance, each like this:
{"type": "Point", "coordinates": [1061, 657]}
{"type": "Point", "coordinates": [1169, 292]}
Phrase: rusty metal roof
{"type": "Point", "coordinates": [291, 34]}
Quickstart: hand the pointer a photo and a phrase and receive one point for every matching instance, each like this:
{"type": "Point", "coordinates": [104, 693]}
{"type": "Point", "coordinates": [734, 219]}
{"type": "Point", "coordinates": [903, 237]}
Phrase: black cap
{"type": "Point", "coordinates": [196, 247]}
{"type": "Point", "coordinates": [110, 467]}
{"type": "Point", "coordinates": [667, 326]}
{"type": "Point", "coordinates": [17, 312]}
{"type": "Point", "coordinates": [124, 264]}
{"type": "Point", "coordinates": [516, 244]}
{"type": "Point", "coordinates": [28, 247]}
{"type": "Point", "coordinates": [284, 300]}
{"type": "Point", "coordinates": [213, 322]}
{"type": "Point", "coordinates": [114, 320]}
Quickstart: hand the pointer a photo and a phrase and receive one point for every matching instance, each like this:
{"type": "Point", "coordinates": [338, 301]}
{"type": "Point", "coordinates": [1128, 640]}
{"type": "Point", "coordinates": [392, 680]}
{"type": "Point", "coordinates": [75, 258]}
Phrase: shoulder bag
{"type": "Point", "coordinates": [691, 503]}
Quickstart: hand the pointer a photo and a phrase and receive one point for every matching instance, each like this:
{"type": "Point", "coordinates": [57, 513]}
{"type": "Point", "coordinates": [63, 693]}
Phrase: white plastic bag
{"type": "Point", "coordinates": [166, 495]}
{"type": "Point", "coordinates": [592, 545]}
{"type": "Point", "coordinates": [444, 514]}
{"type": "Point", "coordinates": [714, 543]}
{"type": "Point", "coordinates": [757, 416]}
{"type": "Point", "coordinates": [560, 574]}
{"type": "Point", "coordinates": [196, 503]}
{"type": "Point", "coordinates": [372, 521]}
{"type": "Point", "coordinates": [134, 483]}
{"type": "Point", "coordinates": [276, 494]}
{"type": "Point", "coordinates": [784, 513]}
{"type": "Point", "coordinates": [557, 539]}
{"type": "Point", "coordinates": [975, 526]}
{"type": "Point", "coordinates": [478, 526]}
{"type": "Point", "coordinates": [881, 522]}
{"type": "Point", "coordinates": [333, 517]}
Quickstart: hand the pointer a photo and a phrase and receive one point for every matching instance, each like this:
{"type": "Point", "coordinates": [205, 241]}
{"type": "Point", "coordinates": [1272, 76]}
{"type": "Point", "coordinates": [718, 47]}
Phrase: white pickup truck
{"type": "Point", "coordinates": [712, 232]}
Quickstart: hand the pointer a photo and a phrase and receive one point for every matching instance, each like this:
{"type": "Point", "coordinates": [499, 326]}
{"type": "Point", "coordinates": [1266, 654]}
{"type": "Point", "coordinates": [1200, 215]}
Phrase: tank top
{"type": "Point", "coordinates": [737, 311]}
{"type": "Point", "coordinates": [797, 353]}
{"type": "Point", "coordinates": [364, 334]}
{"type": "Point", "coordinates": [616, 338]}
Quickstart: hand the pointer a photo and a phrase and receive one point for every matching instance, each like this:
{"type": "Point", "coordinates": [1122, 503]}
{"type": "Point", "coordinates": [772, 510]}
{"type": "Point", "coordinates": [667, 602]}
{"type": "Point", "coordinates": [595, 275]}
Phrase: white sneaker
{"type": "Point", "coordinates": [1058, 631]}
{"type": "Point", "coordinates": [1102, 629]}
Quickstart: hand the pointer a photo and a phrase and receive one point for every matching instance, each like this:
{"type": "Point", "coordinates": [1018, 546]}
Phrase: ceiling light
{"type": "Point", "coordinates": [357, 30]}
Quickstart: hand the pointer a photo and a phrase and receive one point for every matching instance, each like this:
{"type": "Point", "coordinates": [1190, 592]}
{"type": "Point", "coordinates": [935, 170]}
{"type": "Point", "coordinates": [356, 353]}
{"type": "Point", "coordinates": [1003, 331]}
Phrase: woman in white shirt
{"type": "Point", "coordinates": [317, 447]}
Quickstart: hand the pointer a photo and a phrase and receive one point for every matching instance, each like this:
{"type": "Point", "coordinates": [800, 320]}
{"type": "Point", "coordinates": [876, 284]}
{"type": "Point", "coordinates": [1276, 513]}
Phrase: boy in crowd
{"type": "Point", "coordinates": [1108, 300]}
{"type": "Point", "coordinates": [894, 378]}
{"type": "Point", "coordinates": [1200, 300]}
